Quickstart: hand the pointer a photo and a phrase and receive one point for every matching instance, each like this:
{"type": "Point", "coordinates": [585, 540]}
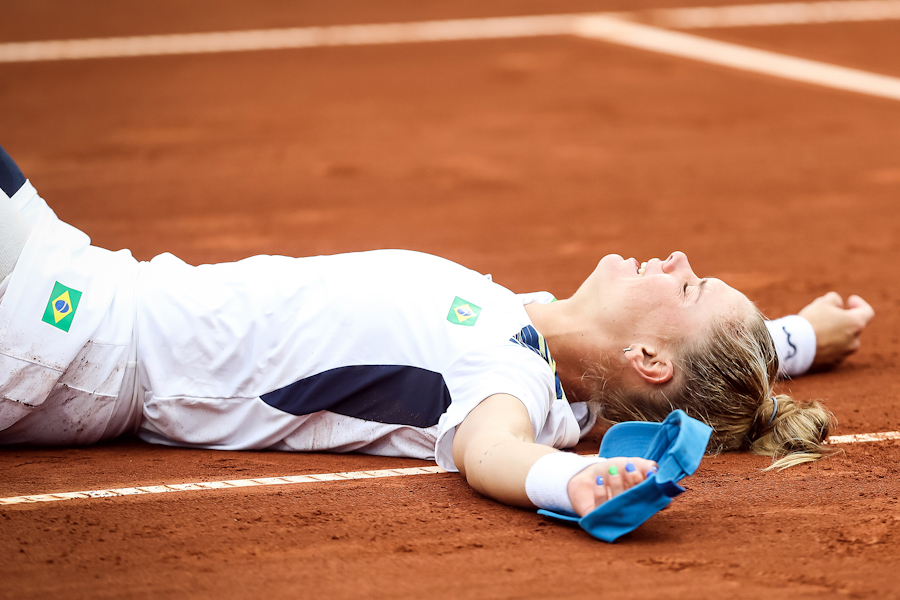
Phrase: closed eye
{"type": "Point", "coordinates": [700, 287]}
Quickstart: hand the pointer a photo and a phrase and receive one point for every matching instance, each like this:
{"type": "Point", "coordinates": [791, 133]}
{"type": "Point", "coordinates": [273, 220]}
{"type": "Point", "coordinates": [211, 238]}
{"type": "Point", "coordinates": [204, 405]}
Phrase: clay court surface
{"type": "Point", "coordinates": [527, 158]}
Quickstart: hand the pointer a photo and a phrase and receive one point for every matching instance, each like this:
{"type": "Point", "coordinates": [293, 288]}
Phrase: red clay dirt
{"type": "Point", "coordinates": [527, 159]}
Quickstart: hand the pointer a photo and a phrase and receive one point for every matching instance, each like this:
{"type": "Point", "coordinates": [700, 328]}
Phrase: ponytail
{"type": "Point", "coordinates": [790, 432]}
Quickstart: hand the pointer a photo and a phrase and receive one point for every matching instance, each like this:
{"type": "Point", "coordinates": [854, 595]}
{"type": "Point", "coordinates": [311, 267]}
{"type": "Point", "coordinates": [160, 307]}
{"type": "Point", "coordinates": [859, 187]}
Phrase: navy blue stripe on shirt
{"type": "Point", "coordinates": [11, 178]}
{"type": "Point", "coordinates": [531, 339]}
{"type": "Point", "coordinates": [395, 394]}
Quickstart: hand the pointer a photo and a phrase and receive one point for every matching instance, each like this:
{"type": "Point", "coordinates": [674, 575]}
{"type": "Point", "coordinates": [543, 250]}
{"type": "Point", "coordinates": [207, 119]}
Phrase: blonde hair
{"type": "Point", "coordinates": [726, 380]}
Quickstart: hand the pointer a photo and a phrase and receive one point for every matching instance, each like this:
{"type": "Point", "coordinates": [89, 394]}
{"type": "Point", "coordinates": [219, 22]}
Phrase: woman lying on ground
{"type": "Point", "coordinates": [393, 353]}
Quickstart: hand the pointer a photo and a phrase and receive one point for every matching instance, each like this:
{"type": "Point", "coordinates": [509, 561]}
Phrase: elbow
{"type": "Point", "coordinates": [468, 455]}
{"type": "Point", "coordinates": [463, 459]}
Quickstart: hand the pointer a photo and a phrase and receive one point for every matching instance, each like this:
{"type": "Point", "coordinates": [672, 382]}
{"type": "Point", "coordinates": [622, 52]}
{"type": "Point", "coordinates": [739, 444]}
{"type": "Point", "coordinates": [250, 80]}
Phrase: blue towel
{"type": "Point", "coordinates": [677, 445]}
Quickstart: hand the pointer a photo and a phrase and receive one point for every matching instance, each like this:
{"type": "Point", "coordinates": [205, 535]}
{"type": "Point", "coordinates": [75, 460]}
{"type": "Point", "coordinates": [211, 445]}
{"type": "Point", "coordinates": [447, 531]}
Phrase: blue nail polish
{"type": "Point", "coordinates": [651, 471]}
{"type": "Point", "coordinates": [630, 468]}
{"type": "Point", "coordinates": [599, 481]}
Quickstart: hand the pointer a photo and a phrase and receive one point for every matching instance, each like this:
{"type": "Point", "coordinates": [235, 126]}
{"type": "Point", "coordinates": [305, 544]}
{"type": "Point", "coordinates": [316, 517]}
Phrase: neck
{"type": "Point", "coordinates": [573, 344]}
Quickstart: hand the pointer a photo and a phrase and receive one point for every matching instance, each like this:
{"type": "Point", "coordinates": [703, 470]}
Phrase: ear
{"type": "Point", "coordinates": [649, 364]}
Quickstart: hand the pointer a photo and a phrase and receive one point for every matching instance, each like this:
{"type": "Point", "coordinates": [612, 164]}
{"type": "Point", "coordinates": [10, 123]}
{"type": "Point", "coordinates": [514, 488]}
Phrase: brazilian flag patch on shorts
{"type": "Point", "coordinates": [61, 307]}
{"type": "Point", "coordinates": [463, 312]}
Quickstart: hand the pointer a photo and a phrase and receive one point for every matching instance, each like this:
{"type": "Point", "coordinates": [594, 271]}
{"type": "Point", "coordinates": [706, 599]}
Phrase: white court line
{"type": "Point", "coordinates": [317, 478]}
{"type": "Point", "coordinates": [645, 37]}
{"type": "Point", "coordinates": [298, 37]}
{"type": "Point", "coordinates": [789, 13]}
{"type": "Point", "coordinates": [864, 437]}
{"type": "Point", "coordinates": [607, 27]}
{"type": "Point", "coordinates": [221, 485]}
{"type": "Point", "coordinates": [438, 31]}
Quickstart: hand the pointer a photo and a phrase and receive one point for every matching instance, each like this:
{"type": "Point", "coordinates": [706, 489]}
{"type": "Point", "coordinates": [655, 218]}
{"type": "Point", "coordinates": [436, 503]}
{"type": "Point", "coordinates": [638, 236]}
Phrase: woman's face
{"type": "Point", "coordinates": [663, 299]}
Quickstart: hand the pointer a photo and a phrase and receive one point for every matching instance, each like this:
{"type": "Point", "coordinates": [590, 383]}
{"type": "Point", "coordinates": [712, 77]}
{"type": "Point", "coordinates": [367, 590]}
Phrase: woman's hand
{"type": "Point", "coordinates": [837, 327]}
{"type": "Point", "coordinates": [599, 482]}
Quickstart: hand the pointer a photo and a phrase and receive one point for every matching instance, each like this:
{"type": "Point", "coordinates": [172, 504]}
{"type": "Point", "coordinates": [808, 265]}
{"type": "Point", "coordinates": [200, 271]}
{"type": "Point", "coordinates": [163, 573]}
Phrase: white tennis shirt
{"type": "Point", "coordinates": [381, 352]}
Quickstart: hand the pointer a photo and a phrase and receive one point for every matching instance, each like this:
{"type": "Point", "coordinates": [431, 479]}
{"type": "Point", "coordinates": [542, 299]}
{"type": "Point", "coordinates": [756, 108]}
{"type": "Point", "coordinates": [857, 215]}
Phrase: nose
{"type": "Point", "coordinates": [677, 263]}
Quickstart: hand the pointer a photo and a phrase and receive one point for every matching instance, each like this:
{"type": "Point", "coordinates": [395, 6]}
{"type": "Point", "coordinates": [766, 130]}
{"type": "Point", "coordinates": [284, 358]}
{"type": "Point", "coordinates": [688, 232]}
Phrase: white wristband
{"type": "Point", "coordinates": [548, 480]}
{"type": "Point", "coordinates": [795, 344]}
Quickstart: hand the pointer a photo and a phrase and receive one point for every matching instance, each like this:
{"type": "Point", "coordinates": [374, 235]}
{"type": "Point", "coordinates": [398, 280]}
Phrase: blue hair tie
{"type": "Point", "coordinates": [772, 418]}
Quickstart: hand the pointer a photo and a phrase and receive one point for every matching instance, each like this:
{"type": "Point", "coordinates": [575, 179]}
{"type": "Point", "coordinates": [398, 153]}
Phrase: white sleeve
{"type": "Point", "coordinates": [512, 370]}
{"type": "Point", "coordinates": [585, 416]}
{"type": "Point", "coordinates": [795, 344]}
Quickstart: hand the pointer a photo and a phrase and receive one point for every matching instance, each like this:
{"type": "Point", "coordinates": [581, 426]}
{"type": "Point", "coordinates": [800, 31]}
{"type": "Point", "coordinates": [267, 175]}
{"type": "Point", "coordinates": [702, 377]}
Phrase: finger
{"type": "Point", "coordinates": [586, 491]}
{"type": "Point", "coordinates": [633, 476]}
{"type": "Point", "coordinates": [614, 481]}
{"type": "Point", "coordinates": [860, 308]}
{"type": "Point", "coordinates": [601, 492]}
{"type": "Point", "coordinates": [653, 468]}
{"type": "Point", "coordinates": [644, 466]}
{"type": "Point", "coordinates": [833, 298]}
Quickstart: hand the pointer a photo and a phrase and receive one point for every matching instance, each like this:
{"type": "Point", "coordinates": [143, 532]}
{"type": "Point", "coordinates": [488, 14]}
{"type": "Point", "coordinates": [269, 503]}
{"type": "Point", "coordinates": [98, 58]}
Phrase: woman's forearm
{"type": "Point", "coordinates": [496, 464]}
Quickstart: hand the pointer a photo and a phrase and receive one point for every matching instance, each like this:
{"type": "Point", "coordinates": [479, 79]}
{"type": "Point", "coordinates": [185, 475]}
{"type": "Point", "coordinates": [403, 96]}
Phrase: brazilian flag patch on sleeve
{"type": "Point", "coordinates": [463, 312]}
{"type": "Point", "coordinates": [61, 307]}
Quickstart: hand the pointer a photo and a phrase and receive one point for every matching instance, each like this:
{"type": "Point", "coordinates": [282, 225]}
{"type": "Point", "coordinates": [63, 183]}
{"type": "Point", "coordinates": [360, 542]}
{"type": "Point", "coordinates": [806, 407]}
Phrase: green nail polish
{"type": "Point", "coordinates": [613, 470]}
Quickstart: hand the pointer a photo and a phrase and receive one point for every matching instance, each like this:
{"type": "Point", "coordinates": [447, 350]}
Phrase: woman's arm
{"type": "Point", "coordinates": [494, 449]}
